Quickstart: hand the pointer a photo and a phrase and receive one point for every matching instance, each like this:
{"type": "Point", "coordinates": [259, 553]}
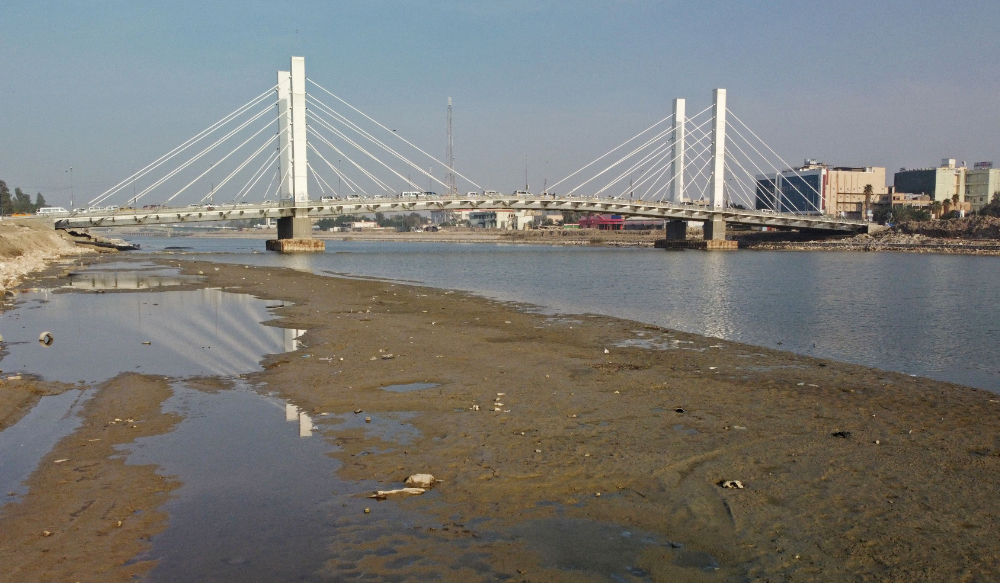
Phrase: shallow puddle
{"type": "Point", "coordinates": [260, 500]}
{"type": "Point", "coordinates": [24, 444]}
{"type": "Point", "coordinates": [172, 333]}
{"type": "Point", "coordinates": [410, 387]}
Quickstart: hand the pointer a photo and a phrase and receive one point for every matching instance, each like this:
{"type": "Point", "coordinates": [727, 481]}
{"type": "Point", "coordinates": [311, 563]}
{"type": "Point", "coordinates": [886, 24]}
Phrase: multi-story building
{"type": "Point", "coordinates": [816, 188]}
{"type": "Point", "coordinates": [501, 219]}
{"type": "Point", "coordinates": [941, 183]}
{"type": "Point", "coordinates": [981, 184]}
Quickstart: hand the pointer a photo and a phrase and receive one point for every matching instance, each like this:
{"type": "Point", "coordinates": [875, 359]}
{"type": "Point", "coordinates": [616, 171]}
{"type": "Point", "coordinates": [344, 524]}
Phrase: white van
{"type": "Point", "coordinates": [51, 210]}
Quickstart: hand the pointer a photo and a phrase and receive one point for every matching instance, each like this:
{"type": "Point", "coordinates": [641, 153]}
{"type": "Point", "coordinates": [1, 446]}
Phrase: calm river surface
{"type": "Point", "coordinates": [924, 314]}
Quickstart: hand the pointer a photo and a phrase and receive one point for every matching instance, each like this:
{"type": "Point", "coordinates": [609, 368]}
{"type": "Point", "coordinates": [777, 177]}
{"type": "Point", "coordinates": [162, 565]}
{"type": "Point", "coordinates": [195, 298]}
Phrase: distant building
{"type": "Point", "coordinates": [816, 188]}
{"type": "Point", "coordinates": [981, 183]}
{"type": "Point", "coordinates": [446, 216]}
{"type": "Point", "coordinates": [603, 222]}
{"type": "Point", "coordinates": [501, 219]}
{"type": "Point", "coordinates": [941, 183]}
{"type": "Point", "coordinates": [359, 225]}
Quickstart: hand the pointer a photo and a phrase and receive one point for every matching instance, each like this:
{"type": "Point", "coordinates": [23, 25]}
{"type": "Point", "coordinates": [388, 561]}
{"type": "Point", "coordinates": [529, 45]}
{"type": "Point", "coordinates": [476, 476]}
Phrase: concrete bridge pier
{"type": "Point", "coordinates": [715, 229]}
{"type": "Point", "coordinates": [677, 230]}
{"type": "Point", "coordinates": [295, 231]}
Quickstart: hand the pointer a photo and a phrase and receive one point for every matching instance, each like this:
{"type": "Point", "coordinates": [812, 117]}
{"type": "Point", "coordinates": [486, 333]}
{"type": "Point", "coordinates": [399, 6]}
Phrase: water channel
{"type": "Point", "coordinates": [922, 314]}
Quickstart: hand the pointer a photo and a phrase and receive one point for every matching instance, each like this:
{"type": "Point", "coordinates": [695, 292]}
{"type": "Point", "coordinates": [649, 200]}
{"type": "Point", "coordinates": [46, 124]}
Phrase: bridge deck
{"type": "Point", "coordinates": [320, 209]}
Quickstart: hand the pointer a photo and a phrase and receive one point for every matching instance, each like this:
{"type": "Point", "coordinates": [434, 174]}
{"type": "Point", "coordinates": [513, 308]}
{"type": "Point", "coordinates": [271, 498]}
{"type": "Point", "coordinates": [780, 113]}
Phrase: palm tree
{"type": "Point", "coordinates": [935, 208]}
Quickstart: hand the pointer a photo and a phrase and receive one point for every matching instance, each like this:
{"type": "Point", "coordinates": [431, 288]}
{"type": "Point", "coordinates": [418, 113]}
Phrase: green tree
{"type": "Point", "coordinates": [39, 201]}
{"type": "Point", "coordinates": [6, 203]}
{"type": "Point", "coordinates": [993, 208]}
{"type": "Point", "coordinates": [869, 191]}
{"type": "Point", "coordinates": [22, 202]}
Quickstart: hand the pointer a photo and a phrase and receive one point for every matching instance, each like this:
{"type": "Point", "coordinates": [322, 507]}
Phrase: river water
{"type": "Point", "coordinates": [923, 314]}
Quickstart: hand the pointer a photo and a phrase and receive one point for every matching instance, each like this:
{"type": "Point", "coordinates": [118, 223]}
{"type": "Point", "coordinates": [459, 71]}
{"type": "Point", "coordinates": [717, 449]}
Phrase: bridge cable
{"type": "Point", "coordinates": [243, 165]}
{"type": "Point", "coordinates": [619, 161]}
{"type": "Point", "coordinates": [255, 178]}
{"type": "Point", "coordinates": [202, 153]}
{"type": "Point", "coordinates": [156, 163]}
{"type": "Point", "coordinates": [268, 189]}
{"type": "Point", "coordinates": [342, 119]}
{"type": "Point", "coordinates": [780, 159]}
{"type": "Point", "coordinates": [344, 137]}
{"type": "Point", "coordinates": [395, 134]}
{"type": "Point", "coordinates": [377, 142]}
{"type": "Point", "coordinates": [344, 177]}
{"type": "Point", "coordinates": [227, 155]}
{"type": "Point", "coordinates": [777, 172]}
{"type": "Point", "coordinates": [379, 183]}
{"type": "Point", "coordinates": [667, 166]}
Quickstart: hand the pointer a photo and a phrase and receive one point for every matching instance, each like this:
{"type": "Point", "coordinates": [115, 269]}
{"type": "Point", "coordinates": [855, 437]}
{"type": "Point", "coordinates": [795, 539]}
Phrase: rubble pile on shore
{"type": "Point", "coordinates": [27, 246]}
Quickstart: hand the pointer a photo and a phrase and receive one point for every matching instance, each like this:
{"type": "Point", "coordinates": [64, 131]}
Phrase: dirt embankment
{"type": "Point", "coordinates": [27, 246]}
{"type": "Point", "coordinates": [971, 228]}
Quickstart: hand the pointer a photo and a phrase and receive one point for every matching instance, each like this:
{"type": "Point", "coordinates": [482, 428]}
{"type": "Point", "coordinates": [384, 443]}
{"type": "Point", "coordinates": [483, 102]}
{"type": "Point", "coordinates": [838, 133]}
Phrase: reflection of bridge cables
{"type": "Point", "coordinates": [190, 142]}
{"type": "Point", "coordinates": [357, 129]}
{"type": "Point", "coordinates": [395, 134]}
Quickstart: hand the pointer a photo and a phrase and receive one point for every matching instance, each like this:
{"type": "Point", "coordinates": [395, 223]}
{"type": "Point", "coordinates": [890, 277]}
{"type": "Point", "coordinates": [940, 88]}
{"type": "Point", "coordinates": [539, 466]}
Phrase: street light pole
{"type": "Point", "coordinates": [70, 187]}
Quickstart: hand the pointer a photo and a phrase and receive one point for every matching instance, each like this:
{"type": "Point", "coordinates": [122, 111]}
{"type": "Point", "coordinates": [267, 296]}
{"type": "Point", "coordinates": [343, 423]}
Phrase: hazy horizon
{"type": "Point", "coordinates": [109, 87]}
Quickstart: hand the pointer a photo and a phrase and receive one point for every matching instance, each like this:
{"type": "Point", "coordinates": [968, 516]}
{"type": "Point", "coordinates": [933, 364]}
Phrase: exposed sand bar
{"type": "Point", "coordinates": [849, 473]}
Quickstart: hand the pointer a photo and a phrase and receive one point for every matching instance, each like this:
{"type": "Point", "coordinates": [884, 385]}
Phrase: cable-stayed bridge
{"type": "Point", "coordinates": [264, 159]}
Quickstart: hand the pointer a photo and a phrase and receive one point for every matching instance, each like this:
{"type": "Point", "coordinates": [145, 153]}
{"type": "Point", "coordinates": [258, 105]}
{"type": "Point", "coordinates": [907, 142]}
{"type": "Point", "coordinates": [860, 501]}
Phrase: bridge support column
{"type": "Point", "coordinates": [718, 182]}
{"type": "Point", "coordinates": [677, 169]}
{"type": "Point", "coordinates": [677, 230]}
{"type": "Point", "coordinates": [295, 231]}
{"type": "Point", "coordinates": [715, 229]}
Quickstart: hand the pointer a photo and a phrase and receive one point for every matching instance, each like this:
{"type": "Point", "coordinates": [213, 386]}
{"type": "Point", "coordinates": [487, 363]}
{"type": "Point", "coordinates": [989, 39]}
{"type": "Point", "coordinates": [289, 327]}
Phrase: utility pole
{"type": "Point", "coordinates": [526, 173]}
{"type": "Point", "coordinates": [70, 187]}
{"type": "Point", "coordinates": [450, 155]}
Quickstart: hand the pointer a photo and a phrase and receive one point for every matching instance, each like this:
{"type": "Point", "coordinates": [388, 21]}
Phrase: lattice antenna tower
{"type": "Point", "coordinates": [450, 156]}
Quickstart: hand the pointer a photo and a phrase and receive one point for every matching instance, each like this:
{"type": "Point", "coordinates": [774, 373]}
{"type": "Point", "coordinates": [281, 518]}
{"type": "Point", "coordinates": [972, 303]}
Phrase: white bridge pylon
{"type": "Point", "coordinates": [287, 143]}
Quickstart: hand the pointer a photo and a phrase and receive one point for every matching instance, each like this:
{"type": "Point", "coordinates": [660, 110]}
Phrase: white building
{"type": "Point", "coordinates": [501, 219]}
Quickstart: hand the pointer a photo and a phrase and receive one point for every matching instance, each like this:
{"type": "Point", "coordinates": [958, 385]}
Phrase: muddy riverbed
{"type": "Point", "coordinates": [568, 448]}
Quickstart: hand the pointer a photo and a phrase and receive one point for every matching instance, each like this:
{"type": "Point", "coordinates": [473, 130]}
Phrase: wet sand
{"type": "Point", "coordinates": [849, 473]}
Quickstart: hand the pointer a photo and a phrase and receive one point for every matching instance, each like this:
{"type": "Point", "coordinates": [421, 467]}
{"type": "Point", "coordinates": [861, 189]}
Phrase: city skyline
{"type": "Point", "coordinates": [106, 89]}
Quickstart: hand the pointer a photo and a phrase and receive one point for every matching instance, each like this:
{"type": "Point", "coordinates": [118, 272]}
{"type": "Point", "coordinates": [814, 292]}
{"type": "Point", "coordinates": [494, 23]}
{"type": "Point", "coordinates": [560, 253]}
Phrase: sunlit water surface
{"type": "Point", "coordinates": [924, 314]}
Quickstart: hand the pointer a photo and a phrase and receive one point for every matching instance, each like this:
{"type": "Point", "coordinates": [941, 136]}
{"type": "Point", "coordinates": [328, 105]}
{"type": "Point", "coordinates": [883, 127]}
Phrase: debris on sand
{"type": "Point", "coordinates": [421, 481]}
{"type": "Point", "coordinates": [383, 494]}
{"type": "Point", "coordinates": [734, 484]}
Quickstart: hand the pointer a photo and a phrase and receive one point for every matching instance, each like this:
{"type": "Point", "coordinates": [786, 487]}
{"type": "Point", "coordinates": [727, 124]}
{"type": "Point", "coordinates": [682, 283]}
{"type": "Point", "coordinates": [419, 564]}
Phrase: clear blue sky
{"type": "Point", "coordinates": [106, 86]}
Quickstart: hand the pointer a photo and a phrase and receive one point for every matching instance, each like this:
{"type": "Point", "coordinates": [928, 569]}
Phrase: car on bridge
{"type": "Point", "coordinates": [51, 211]}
